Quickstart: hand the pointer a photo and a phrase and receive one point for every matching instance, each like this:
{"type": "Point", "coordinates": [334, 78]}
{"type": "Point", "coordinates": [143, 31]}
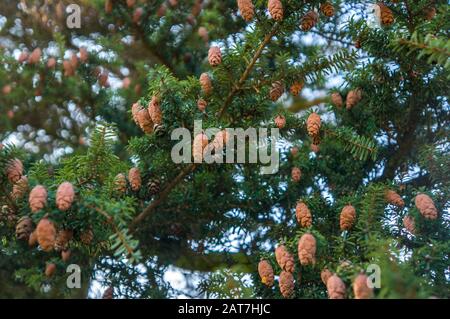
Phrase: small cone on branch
{"type": "Point", "coordinates": [265, 271]}
{"type": "Point", "coordinates": [32, 240]}
{"type": "Point", "coordinates": [108, 6]}
{"type": "Point", "coordinates": [6, 89]}
{"type": "Point", "coordinates": [20, 188]}
{"type": "Point", "coordinates": [361, 289]}
{"type": "Point", "coordinates": [347, 218]}
{"type": "Point", "coordinates": [284, 259]}
{"type": "Point", "coordinates": [134, 176]}
{"type": "Point", "coordinates": [201, 104]}
{"type": "Point", "coordinates": [153, 186]}
{"type": "Point", "coordinates": [24, 228]}
{"type": "Point", "coordinates": [109, 293]}
{"type": "Point", "coordinates": [220, 140]}
{"type": "Point", "coordinates": [275, 9]}
{"type": "Point", "coordinates": [313, 124]}
{"type": "Point", "coordinates": [280, 121]}
{"type": "Point", "coordinates": [286, 282]}
{"type": "Point", "coordinates": [154, 110]}
{"type": "Point", "coordinates": [126, 82]}
{"type": "Point", "coordinates": [65, 196]}
{"type": "Point", "coordinates": [315, 148]}
{"type": "Point", "coordinates": [276, 90]}
{"type": "Point", "coordinates": [353, 97]}
{"type": "Point", "coordinates": [23, 56]}
{"type": "Point", "coordinates": [385, 14]}
{"type": "Point", "coordinates": [203, 33]}
{"type": "Point", "coordinates": [50, 270]}
{"type": "Point", "coordinates": [161, 10]}
{"type": "Point", "coordinates": [429, 13]}
{"type": "Point", "coordinates": [335, 287]}
{"type": "Point", "coordinates": [35, 56]}
{"type": "Point", "coordinates": [303, 214]}
{"type": "Point", "coordinates": [309, 20]}
{"type": "Point", "coordinates": [62, 239]}
{"type": "Point", "coordinates": [205, 82]}
{"type": "Point", "coordinates": [173, 3]}
{"type": "Point", "coordinates": [37, 198]}
{"type": "Point", "coordinates": [86, 236]}
{"type": "Point", "coordinates": [131, 3]}
{"type": "Point", "coordinates": [409, 224]}
{"type": "Point", "coordinates": [327, 9]}
{"type": "Point", "coordinates": [74, 61]}
{"type": "Point", "coordinates": [120, 183]}
{"type": "Point", "coordinates": [199, 144]}
{"type": "Point", "coordinates": [296, 88]}
{"type": "Point", "coordinates": [426, 206]}
{"type": "Point", "coordinates": [296, 174]}
{"type": "Point", "coordinates": [393, 198]}
{"type": "Point", "coordinates": [357, 44]}
{"type": "Point", "coordinates": [103, 79]}
{"type": "Point", "coordinates": [135, 108]}
{"type": "Point", "coordinates": [246, 9]}
{"type": "Point", "coordinates": [65, 255]}
{"type": "Point", "coordinates": [69, 70]}
{"type": "Point", "coordinates": [307, 249]}
{"type": "Point", "coordinates": [142, 118]}
{"type": "Point", "coordinates": [46, 234]}
{"type": "Point", "coordinates": [325, 274]}
{"type": "Point", "coordinates": [14, 170]}
{"type": "Point", "coordinates": [336, 99]}
{"type": "Point", "coordinates": [137, 15]}
{"type": "Point", "coordinates": [214, 56]}
{"type": "Point", "coordinates": [197, 8]}
{"type": "Point", "coordinates": [294, 151]}
{"type": "Point", "coordinates": [84, 55]}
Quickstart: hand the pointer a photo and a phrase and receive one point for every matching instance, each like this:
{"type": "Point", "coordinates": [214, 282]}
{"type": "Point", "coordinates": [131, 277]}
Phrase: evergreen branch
{"type": "Point", "coordinates": [359, 146]}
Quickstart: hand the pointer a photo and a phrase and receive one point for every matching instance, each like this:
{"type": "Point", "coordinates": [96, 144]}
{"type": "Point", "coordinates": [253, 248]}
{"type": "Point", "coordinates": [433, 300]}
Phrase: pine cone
{"type": "Point", "coordinates": [109, 293]}
{"type": "Point", "coordinates": [65, 255]}
{"type": "Point", "coordinates": [325, 274]}
{"type": "Point", "coordinates": [394, 198]}
{"type": "Point", "coordinates": [335, 287]}
{"type": "Point", "coordinates": [108, 6]}
{"type": "Point", "coordinates": [154, 109]}
{"type": "Point", "coordinates": [161, 10]}
{"type": "Point", "coordinates": [303, 214]}
{"type": "Point", "coordinates": [214, 56]}
{"type": "Point", "coordinates": [361, 289]}
{"type": "Point", "coordinates": [336, 100]}
{"type": "Point", "coordinates": [14, 170]}
{"type": "Point", "coordinates": [327, 9]}
{"type": "Point", "coordinates": [315, 148]}
{"type": "Point", "coordinates": [50, 270]}
{"type": "Point", "coordinates": [429, 13]}
{"type": "Point", "coordinates": [120, 182]}
{"type": "Point", "coordinates": [353, 97]}
{"type": "Point", "coordinates": [46, 234]}
{"type": "Point", "coordinates": [348, 217]}
{"type": "Point", "coordinates": [32, 240]}
{"type": "Point", "coordinates": [23, 56]}
{"type": "Point", "coordinates": [126, 82]}
{"type": "Point", "coordinates": [409, 223]}
{"type": "Point", "coordinates": [296, 88]}
{"type": "Point", "coordinates": [24, 228]}
{"type": "Point", "coordinates": [203, 33]}
{"type": "Point", "coordinates": [426, 206]}
{"type": "Point", "coordinates": [137, 15]}
{"type": "Point", "coordinates": [69, 70]}
{"type": "Point", "coordinates": [313, 124]}
{"type": "Point", "coordinates": [160, 129]}
{"type": "Point", "coordinates": [201, 104]}
{"type": "Point", "coordinates": [135, 108]}
{"type": "Point", "coordinates": [62, 239]}
{"type": "Point", "coordinates": [35, 56]}
{"type": "Point", "coordinates": [265, 271]}
{"type": "Point", "coordinates": [294, 151]}
{"type": "Point", "coordinates": [307, 250]}
{"type": "Point", "coordinates": [284, 258]}
{"type": "Point", "coordinates": [51, 63]}
{"type": "Point", "coordinates": [153, 186]}
{"type": "Point", "coordinates": [134, 176]}
{"type": "Point", "coordinates": [205, 82]}
{"type": "Point", "coordinates": [296, 174]}
{"type": "Point", "coordinates": [20, 188]}
{"type": "Point", "coordinates": [8, 216]}
{"type": "Point", "coordinates": [87, 236]}
{"type": "Point", "coordinates": [200, 142]}
{"type": "Point", "coordinates": [280, 121]}
{"type": "Point", "coordinates": [246, 8]}
{"type": "Point", "coordinates": [386, 16]}
{"type": "Point", "coordinates": [37, 198]}
{"type": "Point", "coordinates": [144, 120]}
{"type": "Point", "coordinates": [286, 281]}
{"type": "Point", "coordinates": [64, 196]}
{"type": "Point", "coordinates": [276, 90]}
{"type": "Point", "coordinates": [309, 20]}
{"type": "Point", "coordinates": [84, 55]}
{"type": "Point", "coordinates": [220, 140]}
{"type": "Point", "coordinates": [275, 9]}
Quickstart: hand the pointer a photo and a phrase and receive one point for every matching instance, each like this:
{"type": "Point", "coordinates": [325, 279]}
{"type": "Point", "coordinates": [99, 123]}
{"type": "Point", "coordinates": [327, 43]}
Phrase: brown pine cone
{"type": "Point", "coordinates": [357, 44]}
{"type": "Point", "coordinates": [386, 16]}
{"type": "Point", "coordinates": [46, 234]}
{"type": "Point", "coordinates": [214, 56]}
{"type": "Point", "coordinates": [275, 9]}
{"type": "Point", "coordinates": [23, 57]}
{"type": "Point", "coordinates": [309, 20]}
{"type": "Point", "coordinates": [84, 55]}
{"type": "Point", "coordinates": [14, 170]}
{"type": "Point", "coordinates": [246, 8]}
{"type": "Point", "coordinates": [65, 255]}
{"type": "Point", "coordinates": [361, 289]}
{"type": "Point", "coordinates": [315, 148]}
{"type": "Point", "coordinates": [69, 70]}
{"type": "Point", "coordinates": [205, 82]}
{"type": "Point", "coordinates": [134, 176]}
{"type": "Point", "coordinates": [336, 100]}
{"type": "Point", "coordinates": [109, 293]}
{"type": "Point", "coordinates": [135, 108]}
{"type": "Point", "coordinates": [103, 79]}
{"type": "Point", "coordinates": [284, 259]}
{"type": "Point", "coordinates": [426, 206]}
{"type": "Point", "coordinates": [161, 10]}
{"type": "Point", "coordinates": [335, 287]}
{"type": "Point", "coordinates": [108, 6]}
{"type": "Point", "coordinates": [201, 104]}
{"type": "Point", "coordinates": [37, 198]}
{"type": "Point", "coordinates": [50, 270]}
{"type": "Point", "coordinates": [303, 214]}
{"type": "Point", "coordinates": [220, 140]}
{"type": "Point", "coordinates": [154, 110]}
{"type": "Point", "coordinates": [65, 196]}
{"type": "Point", "coordinates": [348, 217]}
{"type": "Point", "coordinates": [296, 88]}
{"type": "Point", "coordinates": [24, 228]}
{"type": "Point", "coordinates": [137, 15]}
{"type": "Point", "coordinates": [325, 274]}
{"type": "Point", "coordinates": [120, 182]}
{"type": "Point", "coordinates": [429, 13]}
{"type": "Point", "coordinates": [35, 56]}
{"type": "Point", "coordinates": [394, 198]}
{"type": "Point", "coordinates": [296, 174]}
{"type": "Point", "coordinates": [87, 236]}
{"type": "Point", "coordinates": [32, 240]}
{"type": "Point", "coordinates": [280, 121]}
{"type": "Point", "coordinates": [265, 271]}
{"type": "Point", "coordinates": [203, 33]}
{"type": "Point", "coordinates": [144, 120]}
{"type": "Point", "coordinates": [307, 250]}
{"type": "Point", "coordinates": [294, 151]}
{"type": "Point", "coordinates": [51, 63]}
{"type": "Point", "coordinates": [353, 97]}
{"type": "Point", "coordinates": [200, 142]}
{"type": "Point", "coordinates": [62, 239]}
{"type": "Point", "coordinates": [286, 282]}
{"type": "Point", "coordinates": [276, 90]}
{"type": "Point", "coordinates": [313, 124]}
{"type": "Point", "coordinates": [20, 188]}
{"type": "Point", "coordinates": [409, 223]}
{"type": "Point", "coordinates": [327, 9]}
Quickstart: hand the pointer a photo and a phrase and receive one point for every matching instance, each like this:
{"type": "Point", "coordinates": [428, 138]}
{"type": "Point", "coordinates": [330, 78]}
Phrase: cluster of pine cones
{"type": "Point", "coordinates": [135, 182]}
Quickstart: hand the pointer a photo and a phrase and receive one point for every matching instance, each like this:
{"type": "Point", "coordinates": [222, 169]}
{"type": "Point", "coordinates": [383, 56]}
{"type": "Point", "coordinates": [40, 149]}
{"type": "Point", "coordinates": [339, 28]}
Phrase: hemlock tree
{"type": "Point", "coordinates": [360, 193]}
